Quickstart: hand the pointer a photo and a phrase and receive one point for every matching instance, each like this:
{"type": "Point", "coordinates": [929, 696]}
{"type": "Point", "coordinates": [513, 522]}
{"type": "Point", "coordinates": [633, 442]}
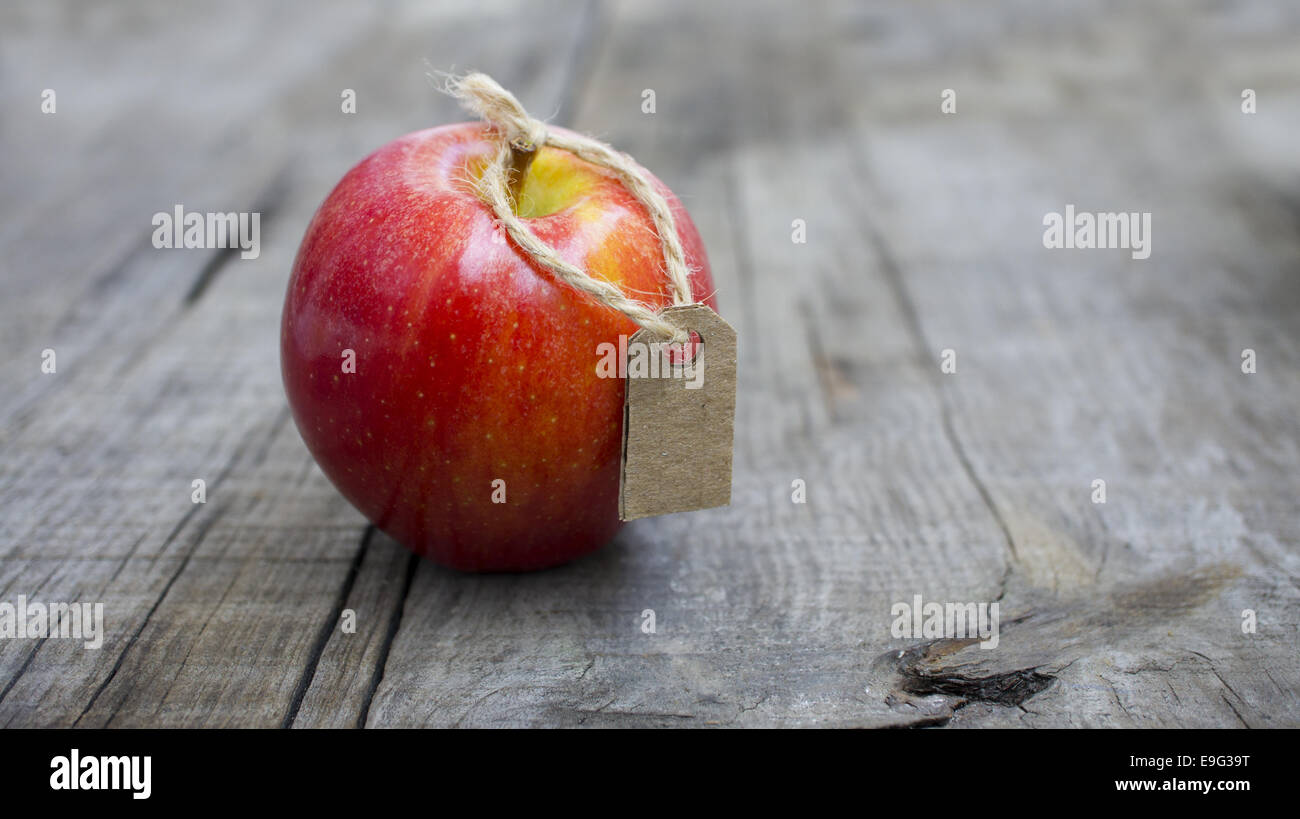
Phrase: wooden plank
{"type": "Point", "coordinates": [1083, 365]}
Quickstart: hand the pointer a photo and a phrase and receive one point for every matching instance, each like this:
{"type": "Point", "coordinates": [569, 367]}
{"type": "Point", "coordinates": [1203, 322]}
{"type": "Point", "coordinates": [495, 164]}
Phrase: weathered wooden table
{"type": "Point", "coordinates": [924, 234]}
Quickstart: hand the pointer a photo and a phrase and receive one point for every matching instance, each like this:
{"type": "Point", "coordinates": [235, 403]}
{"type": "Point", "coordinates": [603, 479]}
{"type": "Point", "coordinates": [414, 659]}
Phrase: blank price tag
{"type": "Point", "coordinates": [678, 417]}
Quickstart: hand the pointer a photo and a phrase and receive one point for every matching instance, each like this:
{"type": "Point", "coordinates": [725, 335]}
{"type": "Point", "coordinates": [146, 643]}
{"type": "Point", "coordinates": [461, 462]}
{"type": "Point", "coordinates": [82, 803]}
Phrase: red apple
{"type": "Point", "coordinates": [473, 365]}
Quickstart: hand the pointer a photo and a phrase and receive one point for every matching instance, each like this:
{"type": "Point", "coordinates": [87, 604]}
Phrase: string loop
{"type": "Point", "coordinates": [519, 132]}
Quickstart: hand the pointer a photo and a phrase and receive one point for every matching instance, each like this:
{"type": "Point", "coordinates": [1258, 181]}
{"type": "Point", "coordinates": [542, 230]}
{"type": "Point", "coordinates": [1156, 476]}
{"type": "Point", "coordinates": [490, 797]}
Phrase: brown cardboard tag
{"type": "Point", "coordinates": [678, 418]}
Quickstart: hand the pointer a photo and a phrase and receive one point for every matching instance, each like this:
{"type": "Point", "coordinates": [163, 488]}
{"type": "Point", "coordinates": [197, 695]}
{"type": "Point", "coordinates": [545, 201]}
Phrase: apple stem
{"type": "Point", "coordinates": [522, 155]}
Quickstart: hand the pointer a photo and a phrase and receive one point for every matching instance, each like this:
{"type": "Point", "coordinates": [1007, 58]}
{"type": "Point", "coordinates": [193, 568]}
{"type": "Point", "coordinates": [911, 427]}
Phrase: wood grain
{"type": "Point", "coordinates": [923, 234]}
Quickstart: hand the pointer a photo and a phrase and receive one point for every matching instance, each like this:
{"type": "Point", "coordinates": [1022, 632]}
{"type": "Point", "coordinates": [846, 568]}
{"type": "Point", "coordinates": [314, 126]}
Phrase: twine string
{"type": "Point", "coordinates": [519, 132]}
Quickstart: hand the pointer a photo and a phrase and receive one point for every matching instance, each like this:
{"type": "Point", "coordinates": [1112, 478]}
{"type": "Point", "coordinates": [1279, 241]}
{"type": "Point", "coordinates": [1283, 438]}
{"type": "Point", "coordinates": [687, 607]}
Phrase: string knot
{"type": "Point", "coordinates": [499, 108]}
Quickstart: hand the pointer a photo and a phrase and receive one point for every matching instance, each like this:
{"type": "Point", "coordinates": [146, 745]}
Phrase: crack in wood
{"type": "Point", "coordinates": [1009, 688]}
{"type": "Point", "coordinates": [412, 564]}
{"type": "Point", "coordinates": [327, 628]}
{"type": "Point", "coordinates": [585, 51]}
{"type": "Point", "coordinates": [912, 319]}
{"type": "Point", "coordinates": [144, 623]}
{"type": "Point", "coordinates": [268, 204]}
{"type": "Point", "coordinates": [1042, 642]}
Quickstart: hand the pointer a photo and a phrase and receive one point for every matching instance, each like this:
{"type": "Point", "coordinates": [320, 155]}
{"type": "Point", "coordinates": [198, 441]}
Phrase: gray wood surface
{"type": "Point", "coordinates": [924, 233]}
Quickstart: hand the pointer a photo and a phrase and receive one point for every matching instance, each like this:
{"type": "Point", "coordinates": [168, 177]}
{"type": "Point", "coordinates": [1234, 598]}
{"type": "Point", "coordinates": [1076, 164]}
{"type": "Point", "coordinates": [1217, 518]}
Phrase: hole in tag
{"type": "Point", "coordinates": [683, 353]}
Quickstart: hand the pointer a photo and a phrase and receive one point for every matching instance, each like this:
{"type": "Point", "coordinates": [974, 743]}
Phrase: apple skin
{"type": "Point", "coordinates": [473, 364]}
